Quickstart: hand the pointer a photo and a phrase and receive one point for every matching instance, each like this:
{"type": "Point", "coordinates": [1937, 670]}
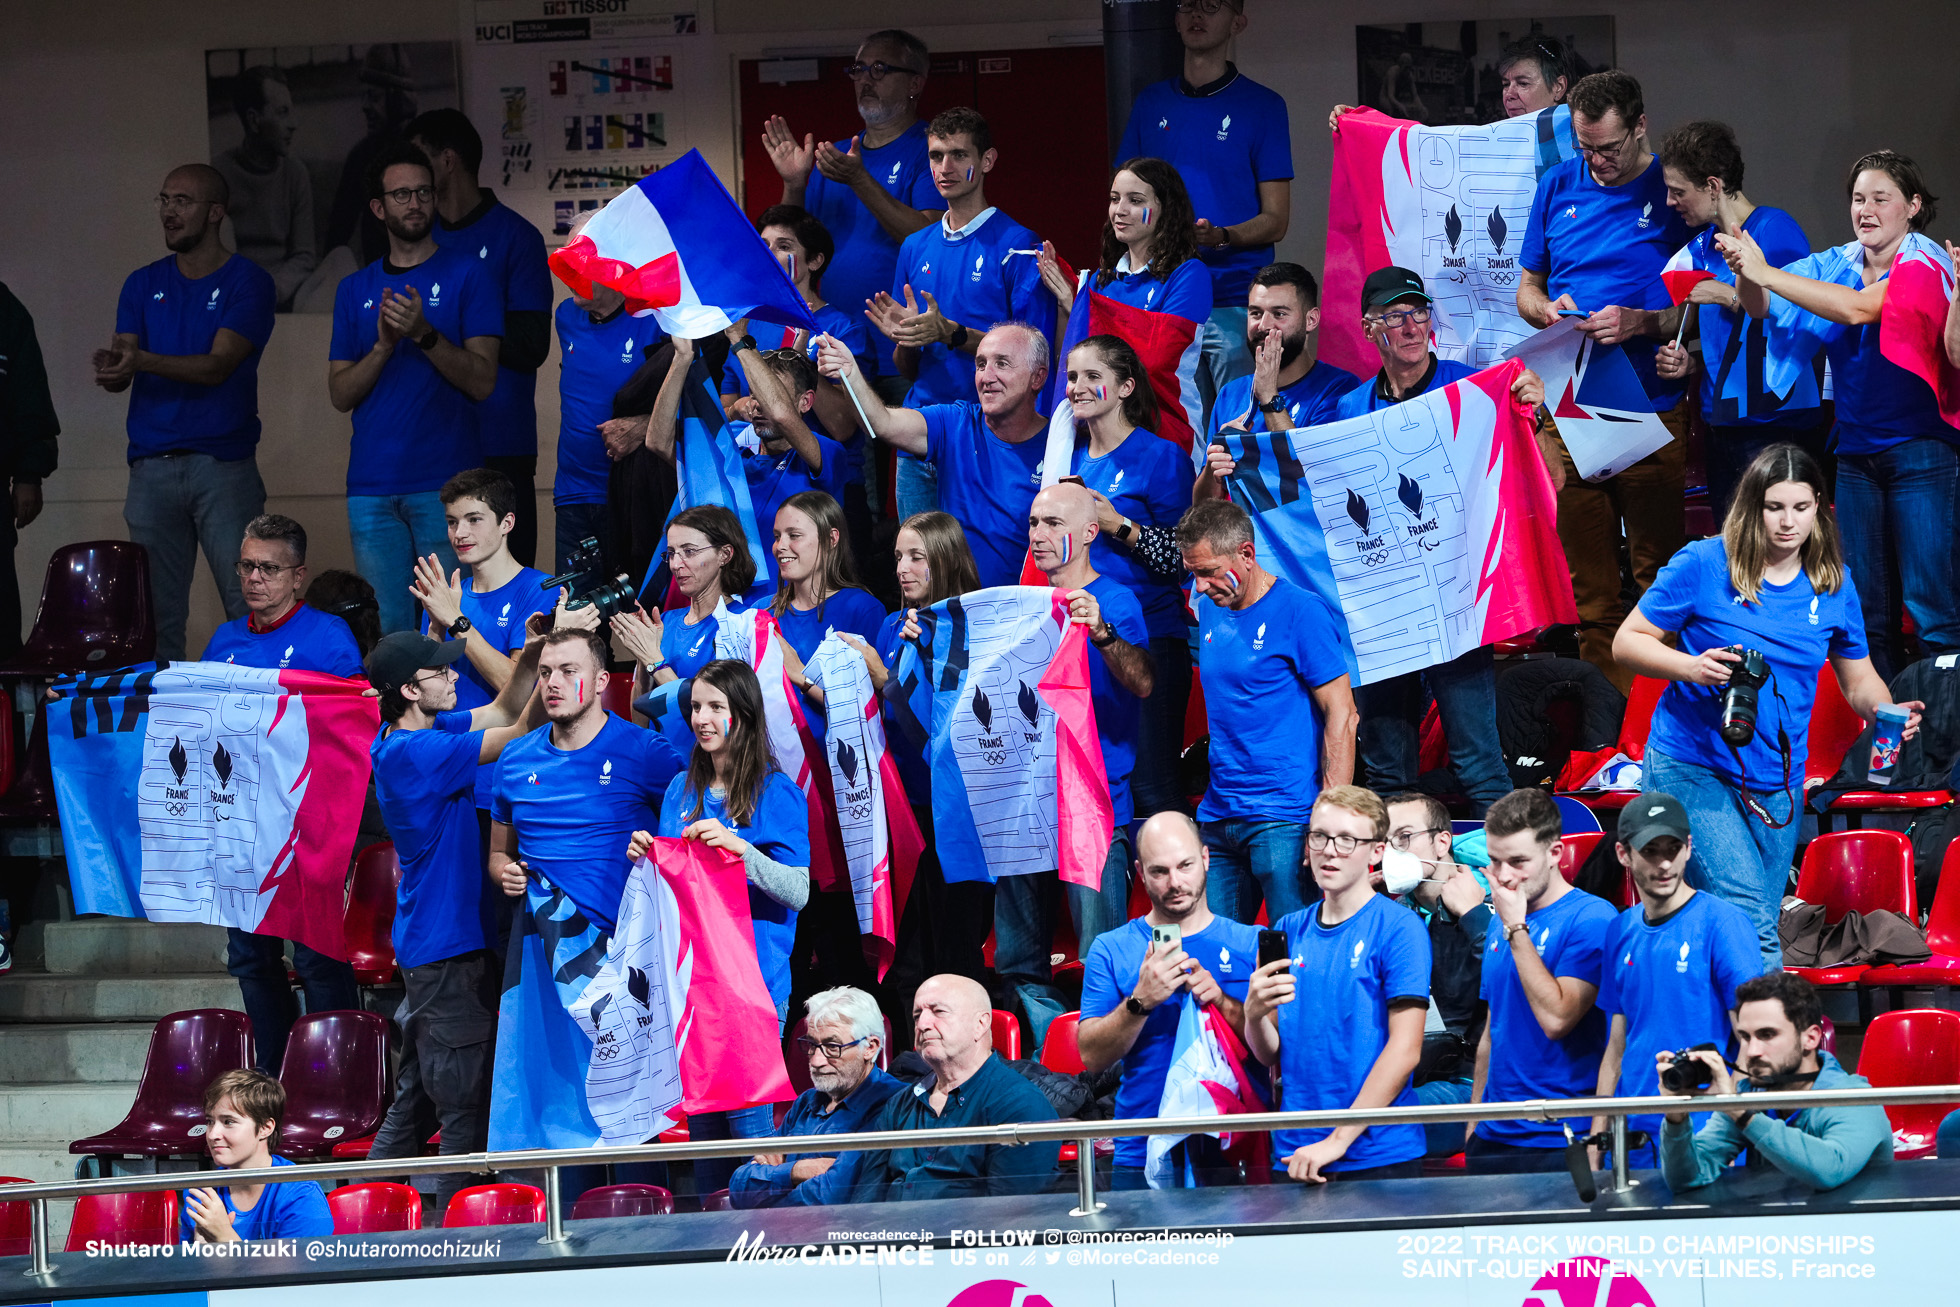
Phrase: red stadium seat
{"type": "Point", "coordinates": [375, 1208]}
{"type": "Point", "coordinates": [1834, 728]}
{"type": "Point", "coordinates": [30, 799]}
{"type": "Point", "coordinates": [95, 612]}
{"type": "Point", "coordinates": [618, 695]}
{"type": "Point", "coordinates": [675, 1133]}
{"type": "Point", "coordinates": [1912, 1048]}
{"type": "Point", "coordinates": [1941, 971]}
{"type": "Point", "coordinates": [371, 914]}
{"type": "Point", "coordinates": [1007, 1035]}
{"type": "Point", "coordinates": [717, 1202]}
{"type": "Point", "coordinates": [336, 1079]}
{"type": "Point", "coordinates": [1856, 871]}
{"type": "Point", "coordinates": [1059, 1050]}
{"type": "Point", "coordinates": [7, 758]}
{"type": "Point", "coordinates": [188, 1050]}
{"type": "Point", "coordinates": [1634, 726]}
{"type": "Point", "coordinates": [1139, 898]}
{"type": "Point", "coordinates": [623, 1200]}
{"type": "Point", "coordinates": [147, 1218]}
{"type": "Point", "coordinates": [495, 1204]}
{"type": "Point", "coordinates": [16, 1222]}
{"type": "Point", "coordinates": [1574, 850]}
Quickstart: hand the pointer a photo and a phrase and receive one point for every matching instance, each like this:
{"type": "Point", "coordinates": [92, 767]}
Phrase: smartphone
{"type": "Point", "coordinates": [1573, 313]}
{"type": "Point", "coordinates": [1167, 937]}
{"type": "Point", "coordinates": [1272, 946]}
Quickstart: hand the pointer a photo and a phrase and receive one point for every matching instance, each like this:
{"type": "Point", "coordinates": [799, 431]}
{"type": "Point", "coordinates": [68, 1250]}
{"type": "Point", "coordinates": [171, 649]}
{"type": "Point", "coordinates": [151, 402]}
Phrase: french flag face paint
{"type": "Point", "coordinates": [1068, 548]}
{"type": "Point", "coordinates": [581, 691]}
{"type": "Point", "coordinates": [1232, 578]}
{"type": "Point", "coordinates": [969, 174]}
{"type": "Point", "coordinates": [1146, 218]}
{"type": "Point", "coordinates": [792, 265]}
{"type": "Point", "coordinates": [1102, 392]}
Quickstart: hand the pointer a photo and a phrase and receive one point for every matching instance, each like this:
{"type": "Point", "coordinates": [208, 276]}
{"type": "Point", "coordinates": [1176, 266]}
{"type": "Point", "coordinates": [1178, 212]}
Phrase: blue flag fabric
{"type": "Point", "coordinates": [537, 1092]}
{"type": "Point", "coordinates": [665, 708]}
{"type": "Point", "coordinates": [1795, 335]}
{"type": "Point", "coordinates": [708, 465]}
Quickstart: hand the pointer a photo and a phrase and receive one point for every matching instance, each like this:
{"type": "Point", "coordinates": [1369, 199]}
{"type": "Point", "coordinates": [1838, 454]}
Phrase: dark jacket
{"type": "Point", "coordinates": [28, 426]}
{"type": "Point", "coordinates": [994, 1096]}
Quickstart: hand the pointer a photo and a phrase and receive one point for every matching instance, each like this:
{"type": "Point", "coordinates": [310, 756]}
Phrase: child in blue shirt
{"type": "Point", "coordinates": [242, 1111]}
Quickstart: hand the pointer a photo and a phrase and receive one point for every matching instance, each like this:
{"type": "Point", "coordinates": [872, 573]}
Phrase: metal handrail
{"type": "Point", "coordinates": [1084, 1133]}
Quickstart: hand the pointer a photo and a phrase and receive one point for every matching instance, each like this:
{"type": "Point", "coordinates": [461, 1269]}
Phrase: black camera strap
{"type": "Point", "coordinates": [1749, 800]}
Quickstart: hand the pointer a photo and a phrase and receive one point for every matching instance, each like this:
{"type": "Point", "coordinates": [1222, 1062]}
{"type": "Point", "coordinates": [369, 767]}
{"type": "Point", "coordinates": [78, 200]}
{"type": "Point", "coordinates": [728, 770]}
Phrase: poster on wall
{"type": "Point", "coordinates": [1446, 74]}
{"type": "Point", "coordinates": [575, 107]}
{"type": "Point", "coordinates": [292, 129]}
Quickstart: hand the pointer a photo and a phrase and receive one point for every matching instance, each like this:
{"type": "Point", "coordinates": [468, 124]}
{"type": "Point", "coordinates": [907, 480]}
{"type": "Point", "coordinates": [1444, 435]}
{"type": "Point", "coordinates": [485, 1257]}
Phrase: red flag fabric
{"type": "Point", "coordinates": [1087, 818]}
{"type": "Point", "coordinates": [1912, 325]}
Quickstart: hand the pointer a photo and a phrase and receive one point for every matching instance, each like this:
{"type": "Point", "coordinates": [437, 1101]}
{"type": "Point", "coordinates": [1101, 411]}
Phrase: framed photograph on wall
{"type": "Point", "coordinates": [1449, 74]}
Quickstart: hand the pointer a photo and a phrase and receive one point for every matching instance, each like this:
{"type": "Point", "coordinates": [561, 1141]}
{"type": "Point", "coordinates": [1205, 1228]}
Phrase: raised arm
{"type": "Point", "coordinates": [773, 398]}
{"type": "Point", "coordinates": [902, 427]}
{"type": "Point", "coordinates": [667, 404]}
{"type": "Point", "coordinates": [1756, 278]}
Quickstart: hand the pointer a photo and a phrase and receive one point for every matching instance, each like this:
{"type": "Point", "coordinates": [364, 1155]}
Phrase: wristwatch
{"type": "Point", "coordinates": [1126, 530]}
{"type": "Point", "coordinates": [460, 627]}
{"type": "Point", "coordinates": [654, 669]}
{"type": "Point", "coordinates": [1274, 405]}
{"type": "Point", "coordinates": [745, 343]}
{"type": "Point", "coordinates": [428, 339]}
{"type": "Point", "coordinates": [1135, 1008]}
{"type": "Point", "coordinates": [1105, 639]}
{"type": "Point", "coordinates": [958, 339]}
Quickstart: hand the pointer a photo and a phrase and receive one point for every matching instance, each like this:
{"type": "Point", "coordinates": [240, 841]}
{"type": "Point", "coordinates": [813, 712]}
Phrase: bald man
{"type": "Point", "coordinates": [987, 453]}
{"type": "Point", "coordinates": [1134, 990]}
{"type": "Point", "coordinates": [190, 329]}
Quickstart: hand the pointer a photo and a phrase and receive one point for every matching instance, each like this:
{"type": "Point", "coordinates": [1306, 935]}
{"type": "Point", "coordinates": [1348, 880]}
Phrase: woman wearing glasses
{"type": "Point", "coordinates": [708, 555]}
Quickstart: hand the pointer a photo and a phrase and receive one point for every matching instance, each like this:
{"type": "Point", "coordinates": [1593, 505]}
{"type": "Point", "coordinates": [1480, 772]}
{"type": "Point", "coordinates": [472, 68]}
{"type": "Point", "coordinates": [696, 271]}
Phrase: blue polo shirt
{"type": "Point", "coordinates": [780, 830]}
{"type": "Point", "coordinates": [414, 430]}
{"type": "Point", "coordinates": [1606, 245]}
{"type": "Point", "coordinates": [295, 1210]}
{"type": "Point", "coordinates": [1337, 1024]}
{"type": "Point", "coordinates": [775, 477]}
{"type": "Point", "coordinates": [168, 313]}
{"type": "Point", "coordinates": [426, 784]}
{"type": "Point", "coordinates": [306, 640]}
{"type": "Point", "coordinates": [1228, 950]}
{"type": "Point", "coordinates": [986, 484]}
{"type": "Point", "coordinates": [980, 275]}
{"type": "Point", "coordinates": [1186, 292]}
{"type": "Point", "coordinates": [594, 361]}
{"type": "Point", "coordinates": [1310, 401]}
{"type": "Point", "coordinates": [511, 251]}
{"type": "Point", "coordinates": [1675, 984]}
{"type": "Point", "coordinates": [1794, 625]}
{"type": "Point", "coordinates": [1783, 242]}
{"type": "Point", "coordinates": [498, 616]}
{"type": "Point", "coordinates": [1259, 667]}
{"type": "Point", "coordinates": [850, 610]}
{"type": "Point", "coordinates": [1570, 937]}
{"type": "Point", "coordinates": [865, 254]}
{"type": "Point", "coordinates": [1367, 397]}
{"type": "Point", "coordinates": [1119, 714]}
{"type": "Point", "coordinates": [1148, 479]}
{"type": "Point", "coordinates": [1223, 139]}
{"type": "Point", "coordinates": [574, 810]}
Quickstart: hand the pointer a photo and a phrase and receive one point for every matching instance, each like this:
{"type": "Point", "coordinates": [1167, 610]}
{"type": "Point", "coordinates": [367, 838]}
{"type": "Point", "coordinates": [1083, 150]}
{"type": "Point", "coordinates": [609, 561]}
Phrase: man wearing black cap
{"type": "Point", "coordinates": [425, 764]}
{"type": "Point", "coordinates": [1672, 962]}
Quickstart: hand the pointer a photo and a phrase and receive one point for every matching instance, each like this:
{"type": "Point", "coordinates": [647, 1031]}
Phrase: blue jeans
{"type": "Point", "coordinates": [1223, 356]}
{"type": "Point", "coordinates": [1024, 929]}
{"type": "Point", "coordinates": [712, 1173]}
{"type": "Point", "coordinates": [1735, 856]}
{"type": "Point", "coordinates": [1465, 689]}
{"type": "Point", "coordinates": [1728, 452]}
{"type": "Point", "coordinates": [916, 486]}
{"type": "Point", "coordinates": [1898, 515]}
{"type": "Point", "coordinates": [573, 523]}
{"type": "Point", "coordinates": [1253, 859]}
{"type": "Point", "coordinates": [177, 505]}
{"type": "Point", "coordinates": [390, 532]}
{"type": "Point", "coordinates": [1155, 784]}
{"type": "Point", "coordinates": [1445, 1138]}
{"type": "Point", "coordinates": [259, 962]}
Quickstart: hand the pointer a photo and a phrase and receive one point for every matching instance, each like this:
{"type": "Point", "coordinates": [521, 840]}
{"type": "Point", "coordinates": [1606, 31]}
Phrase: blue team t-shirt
{"type": "Point", "coordinates": [1310, 401]}
{"type": "Point", "coordinates": [574, 810]}
{"type": "Point", "coordinates": [1675, 985]}
{"type": "Point", "coordinates": [866, 254]}
{"type": "Point", "coordinates": [1259, 666]}
{"type": "Point", "coordinates": [1119, 714]}
{"type": "Point", "coordinates": [168, 313]}
{"type": "Point", "coordinates": [1794, 626]}
{"type": "Point", "coordinates": [1223, 145]}
{"type": "Point", "coordinates": [1227, 949]}
{"type": "Point", "coordinates": [594, 361]}
{"type": "Point", "coordinates": [1367, 397]}
{"type": "Point", "coordinates": [307, 640]}
{"type": "Point", "coordinates": [850, 610]}
{"type": "Point", "coordinates": [986, 273]}
{"type": "Point", "coordinates": [414, 430]}
{"type": "Point", "coordinates": [508, 248]}
{"type": "Point", "coordinates": [1783, 242]}
{"type": "Point", "coordinates": [1606, 245]}
{"type": "Point", "coordinates": [686, 648]}
{"type": "Point", "coordinates": [907, 752]}
{"type": "Point", "coordinates": [498, 616]}
{"type": "Point", "coordinates": [1148, 480]}
{"type": "Point", "coordinates": [426, 784]}
{"type": "Point", "coordinates": [1344, 978]}
{"type": "Point", "coordinates": [294, 1210]}
{"type": "Point", "coordinates": [775, 477]}
{"type": "Point", "coordinates": [986, 484]}
{"type": "Point", "coordinates": [780, 830]}
{"type": "Point", "coordinates": [1570, 937]}
{"type": "Point", "coordinates": [1186, 292]}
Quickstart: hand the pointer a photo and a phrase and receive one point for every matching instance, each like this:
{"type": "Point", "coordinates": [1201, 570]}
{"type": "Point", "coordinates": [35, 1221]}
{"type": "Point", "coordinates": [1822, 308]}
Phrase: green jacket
{"type": "Point", "coordinates": [1821, 1146]}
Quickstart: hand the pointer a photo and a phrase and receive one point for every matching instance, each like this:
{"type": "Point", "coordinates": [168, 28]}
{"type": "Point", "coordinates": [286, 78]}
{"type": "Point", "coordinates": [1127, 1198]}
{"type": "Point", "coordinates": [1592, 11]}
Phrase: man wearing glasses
{"type": "Point", "coordinates": [415, 341]}
{"type": "Point", "coordinates": [189, 332]}
{"type": "Point", "coordinates": [1599, 233]}
{"type": "Point", "coordinates": [842, 1040]}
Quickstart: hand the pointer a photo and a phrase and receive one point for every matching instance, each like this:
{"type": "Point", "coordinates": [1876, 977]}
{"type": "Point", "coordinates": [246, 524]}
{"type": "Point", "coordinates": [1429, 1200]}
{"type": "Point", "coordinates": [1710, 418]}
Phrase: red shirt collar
{"type": "Point", "coordinates": [252, 620]}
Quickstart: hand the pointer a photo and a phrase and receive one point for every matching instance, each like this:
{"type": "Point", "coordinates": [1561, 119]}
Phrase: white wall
{"type": "Point", "coordinates": [100, 101]}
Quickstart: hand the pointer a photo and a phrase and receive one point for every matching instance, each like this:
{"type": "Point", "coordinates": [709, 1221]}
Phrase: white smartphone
{"type": "Point", "coordinates": [1167, 937]}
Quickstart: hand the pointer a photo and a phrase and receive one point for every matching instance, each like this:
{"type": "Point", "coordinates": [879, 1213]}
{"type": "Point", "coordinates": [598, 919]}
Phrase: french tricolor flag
{"type": "Point", "coordinates": [1681, 276]}
{"type": "Point", "coordinates": [676, 246]}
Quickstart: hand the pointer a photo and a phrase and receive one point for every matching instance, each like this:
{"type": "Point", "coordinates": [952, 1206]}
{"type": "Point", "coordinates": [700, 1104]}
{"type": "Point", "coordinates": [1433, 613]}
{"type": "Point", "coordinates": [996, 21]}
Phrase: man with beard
{"type": "Point", "coordinates": [271, 207]}
{"type": "Point", "coordinates": [415, 341]}
{"type": "Point", "coordinates": [189, 332]}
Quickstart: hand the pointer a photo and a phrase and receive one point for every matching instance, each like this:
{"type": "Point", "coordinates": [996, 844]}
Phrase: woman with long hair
{"type": "Point", "coordinates": [1775, 586]}
{"type": "Point", "coordinates": [818, 590]}
{"type": "Point", "coordinates": [1149, 247]}
{"type": "Point", "coordinates": [733, 797]}
{"type": "Point", "coordinates": [708, 555]}
{"type": "Point", "coordinates": [1898, 463]}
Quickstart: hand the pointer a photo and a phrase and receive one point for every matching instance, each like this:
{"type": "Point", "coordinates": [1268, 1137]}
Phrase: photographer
{"type": "Point", "coordinates": [1778, 1027]}
{"type": "Point", "coordinates": [1774, 582]}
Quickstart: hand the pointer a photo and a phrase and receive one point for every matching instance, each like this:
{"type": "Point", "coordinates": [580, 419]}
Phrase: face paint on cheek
{"type": "Point", "coordinates": [581, 691]}
{"type": "Point", "coordinates": [969, 174]}
{"type": "Point", "coordinates": [1102, 392]}
{"type": "Point", "coordinates": [1146, 218]}
{"type": "Point", "coordinates": [1232, 579]}
{"type": "Point", "coordinates": [792, 267]}
{"type": "Point", "coordinates": [1068, 548]}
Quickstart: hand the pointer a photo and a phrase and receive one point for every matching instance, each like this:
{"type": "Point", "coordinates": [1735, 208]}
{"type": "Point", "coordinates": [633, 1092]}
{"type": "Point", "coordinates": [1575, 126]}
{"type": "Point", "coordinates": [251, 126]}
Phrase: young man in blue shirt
{"type": "Point", "coordinates": [427, 758]}
{"type": "Point", "coordinates": [1673, 961]}
{"type": "Point", "coordinates": [415, 343]}
{"type": "Point", "coordinates": [1228, 138]}
{"type": "Point", "coordinates": [189, 332]}
{"type": "Point", "coordinates": [242, 1111]}
{"type": "Point", "coordinates": [1541, 968]}
{"type": "Point", "coordinates": [1599, 234]}
{"type": "Point", "coordinates": [1275, 668]}
{"type": "Point", "coordinates": [1342, 1016]}
{"type": "Point", "coordinates": [511, 251]}
{"type": "Point", "coordinates": [1133, 992]}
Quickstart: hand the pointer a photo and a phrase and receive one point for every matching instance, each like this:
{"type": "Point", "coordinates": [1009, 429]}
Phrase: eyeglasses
{"type": "Point", "coordinates": [878, 71]}
{"type": "Point", "coordinates": [1395, 318]}
{"type": "Point", "coordinates": [1205, 7]}
{"type": "Point", "coordinates": [831, 1048]}
{"type": "Point", "coordinates": [179, 203]}
{"type": "Point", "coordinates": [685, 553]}
{"type": "Point", "coordinates": [402, 195]}
{"type": "Point", "coordinates": [1606, 151]}
{"type": "Point", "coordinates": [1400, 839]}
{"type": "Point", "coordinates": [246, 568]}
{"type": "Point", "coordinates": [1318, 840]}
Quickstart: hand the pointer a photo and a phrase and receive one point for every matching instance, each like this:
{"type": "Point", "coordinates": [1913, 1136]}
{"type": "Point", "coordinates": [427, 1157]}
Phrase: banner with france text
{"type": "Point", "coordinates": [538, 1084]}
{"type": "Point", "coordinates": [1431, 526]}
{"type": "Point", "coordinates": [213, 792]}
{"type": "Point", "coordinates": [1450, 203]}
{"type": "Point", "coordinates": [751, 636]}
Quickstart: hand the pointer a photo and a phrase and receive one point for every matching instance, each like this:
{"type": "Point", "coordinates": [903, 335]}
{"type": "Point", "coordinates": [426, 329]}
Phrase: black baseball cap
{"type": "Point", "coordinates": [395, 660]}
{"type": "Point", "coordinates": [1650, 816]}
{"type": "Point", "coordinates": [1386, 285]}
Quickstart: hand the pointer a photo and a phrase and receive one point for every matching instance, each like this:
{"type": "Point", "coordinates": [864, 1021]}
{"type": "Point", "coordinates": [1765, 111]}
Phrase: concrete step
{"type": "Point", "coordinates": [70, 1053]}
{"type": "Point", "coordinates": [49, 1114]}
{"type": "Point", "coordinates": [114, 946]}
{"type": "Point", "coordinates": [37, 996]}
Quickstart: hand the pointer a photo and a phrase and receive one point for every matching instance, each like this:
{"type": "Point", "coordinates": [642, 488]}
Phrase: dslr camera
{"type": "Point", "coordinates": [1746, 681]}
{"type": "Point", "coordinates": [1687, 1074]}
{"type": "Point", "coordinates": [585, 574]}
